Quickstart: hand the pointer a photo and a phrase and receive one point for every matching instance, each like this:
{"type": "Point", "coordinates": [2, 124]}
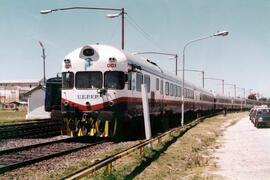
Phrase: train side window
{"type": "Point", "coordinates": [161, 87]}
{"type": "Point", "coordinates": [68, 80]}
{"type": "Point", "coordinates": [157, 84]}
{"type": "Point", "coordinates": [185, 92]}
{"type": "Point", "coordinates": [174, 90]}
{"type": "Point", "coordinates": [129, 80]}
{"type": "Point", "coordinates": [167, 88]}
{"type": "Point", "coordinates": [147, 82]}
{"type": "Point", "coordinates": [139, 81]}
{"type": "Point", "coordinates": [171, 89]}
{"type": "Point", "coordinates": [180, 90]}
{"type": "Point", "coordinates": [191, 94]}
{"type": "Point", "coordinates": [177, 90]}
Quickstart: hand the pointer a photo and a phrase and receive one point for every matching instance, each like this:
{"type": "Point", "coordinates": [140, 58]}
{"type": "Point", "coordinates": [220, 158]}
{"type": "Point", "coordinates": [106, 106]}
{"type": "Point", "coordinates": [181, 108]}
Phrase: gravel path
{"type": "Point", "coordinates": [245, 152]}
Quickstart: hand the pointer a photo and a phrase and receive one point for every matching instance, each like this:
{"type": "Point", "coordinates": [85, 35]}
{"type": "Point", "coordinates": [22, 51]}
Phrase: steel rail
{"type": "Point", "coordinates": [29, 129]}
{"type": "Point", "coordinates": [109, 160]}
{"type": "Point", "coordinates": [26, 122]}
{"type": "Point", "coordinates": [29, 161]}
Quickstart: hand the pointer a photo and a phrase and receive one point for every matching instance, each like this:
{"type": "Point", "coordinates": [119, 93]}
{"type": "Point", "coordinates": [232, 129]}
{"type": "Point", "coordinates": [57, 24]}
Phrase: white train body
{"type": "Point", "coordinates": [102, 84]}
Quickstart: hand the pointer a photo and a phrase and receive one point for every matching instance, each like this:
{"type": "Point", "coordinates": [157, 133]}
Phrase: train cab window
{"type": "Point", "coordinates": [68, 80]}
{"type": "Point", "coordinates": [89, 80]}
{"type": "Point", "coordinates": [147, 82]}
{"type": "Point", "coordinates": [167, 88]}
{"type": "Point", "coordinates": [139, 81]}
{"type": "Point", "coordinates": [171, 89]}
{"type": "Point", "coordinates": [157, 84]}
{"type": "Point", "coordinates": [161, 87]}
{"type": "Point", "coordinates": [114, 79]}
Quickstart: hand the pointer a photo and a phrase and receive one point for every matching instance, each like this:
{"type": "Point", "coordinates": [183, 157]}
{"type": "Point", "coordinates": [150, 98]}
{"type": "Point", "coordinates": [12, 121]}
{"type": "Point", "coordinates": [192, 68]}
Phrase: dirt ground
{"type": "Point", "coordinates": [244, 152]}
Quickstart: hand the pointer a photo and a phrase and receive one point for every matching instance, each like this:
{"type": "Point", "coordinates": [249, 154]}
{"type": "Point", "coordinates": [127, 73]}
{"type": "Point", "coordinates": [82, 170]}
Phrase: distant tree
{"type": "Point", "coordinates": [252, 96]}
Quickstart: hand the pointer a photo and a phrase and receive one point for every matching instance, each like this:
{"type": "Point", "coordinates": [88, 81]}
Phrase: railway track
{"type": "Point", "coordinates": [40, 128]}
{"type": "Point", "coordinates": [18, 157]}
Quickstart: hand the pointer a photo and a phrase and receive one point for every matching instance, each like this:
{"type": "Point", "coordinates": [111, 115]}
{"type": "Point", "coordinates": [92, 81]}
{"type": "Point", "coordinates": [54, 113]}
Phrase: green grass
{"type": "Point", "coordinates": [176, 157]}
{"type": "Point", "coordinates": [9, 117]}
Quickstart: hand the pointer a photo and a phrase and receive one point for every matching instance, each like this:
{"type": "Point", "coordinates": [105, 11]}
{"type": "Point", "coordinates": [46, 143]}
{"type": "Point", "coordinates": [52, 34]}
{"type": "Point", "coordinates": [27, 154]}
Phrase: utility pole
{"type": "Point", "coordinates": [43, 57]}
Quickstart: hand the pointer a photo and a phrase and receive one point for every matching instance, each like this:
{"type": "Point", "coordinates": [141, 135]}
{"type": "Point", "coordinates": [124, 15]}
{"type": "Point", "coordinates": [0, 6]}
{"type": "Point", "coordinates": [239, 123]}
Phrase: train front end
{"type": "Point", "coordinates": [93, 89]}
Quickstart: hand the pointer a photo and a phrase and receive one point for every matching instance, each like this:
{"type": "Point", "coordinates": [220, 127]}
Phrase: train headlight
{"type": "Point", "coordinates": [66, 103]}
{"type": "Point", "coordinates": [88, 105]}
{"type": "Point", "coordinates": [67, 63]}
{"type": "Point", "coordinates": [260, 119]}
{"type": "Point", "coordinates": [110, 103]}
{"type": "Point", "coordinates": [88, 52]}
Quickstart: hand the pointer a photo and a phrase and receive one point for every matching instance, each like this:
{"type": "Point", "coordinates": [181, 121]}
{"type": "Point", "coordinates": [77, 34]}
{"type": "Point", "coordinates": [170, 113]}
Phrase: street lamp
{"type": "Point", "coordinates": [222, 81]}
{"type": "Point", "coordinates": [192, 70]}
{"type": "Point", "coordinates": [222, 33]}
{"type": "Point", "coordinates": [121, 13]}
{"type": "Point", "coordinates": [43, 57]}
{"type": "Point", "coordinates": [175, 56]}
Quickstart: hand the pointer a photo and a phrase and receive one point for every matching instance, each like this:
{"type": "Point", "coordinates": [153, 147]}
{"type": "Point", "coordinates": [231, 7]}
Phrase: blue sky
{"type": "Point", "coordinates": [242, 58]}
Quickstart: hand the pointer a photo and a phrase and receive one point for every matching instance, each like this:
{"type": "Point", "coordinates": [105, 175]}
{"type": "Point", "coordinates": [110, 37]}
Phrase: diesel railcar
{"type": "Point", "coordinates": [101, 94]}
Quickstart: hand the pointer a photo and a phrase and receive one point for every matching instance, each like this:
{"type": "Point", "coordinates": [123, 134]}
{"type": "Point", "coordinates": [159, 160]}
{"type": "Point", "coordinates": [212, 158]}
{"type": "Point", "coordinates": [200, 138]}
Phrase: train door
{"type": "Point", "coordinates": [161, 94]}
{"type": "Point", "coordinates": [131, 89]}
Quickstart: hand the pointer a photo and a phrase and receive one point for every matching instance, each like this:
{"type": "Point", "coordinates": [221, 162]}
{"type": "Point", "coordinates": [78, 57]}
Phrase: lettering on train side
{"type": "Point", "coordinates": [87, 96]}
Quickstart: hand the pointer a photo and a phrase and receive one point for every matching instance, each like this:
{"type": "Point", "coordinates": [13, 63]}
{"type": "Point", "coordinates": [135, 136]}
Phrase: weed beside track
{"type": "Point", "coordinates": [175, 157]}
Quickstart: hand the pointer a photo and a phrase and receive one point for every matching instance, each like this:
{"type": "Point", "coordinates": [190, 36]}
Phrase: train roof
{"type": "Point", "coordinates": [106, 51]}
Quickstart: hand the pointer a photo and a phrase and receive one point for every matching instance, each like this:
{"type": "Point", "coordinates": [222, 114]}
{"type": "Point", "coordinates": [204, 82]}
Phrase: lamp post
{"type": "Point", "coordinates": [175, 56]}
{"type": "Point", "coordinates": [222, 81]}
{"type": "Point", "coordinates": [234, 86]}
{"type": "Point", "coordinates": [222, 33]}
{"type": "Point", "coordinates": [121, 13]}
{"type": "Point", "coordinates": [43, 57]}
{"type": "Point", "coordinates": [193, 70]}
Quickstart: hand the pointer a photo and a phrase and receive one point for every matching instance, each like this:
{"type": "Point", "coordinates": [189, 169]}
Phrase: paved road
{"type": "Point", "coordinates": [245, 152]}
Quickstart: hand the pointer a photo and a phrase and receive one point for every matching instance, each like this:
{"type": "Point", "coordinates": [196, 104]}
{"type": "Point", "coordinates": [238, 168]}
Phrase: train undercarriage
{"type": "Point", "coordinates": [105, 124]}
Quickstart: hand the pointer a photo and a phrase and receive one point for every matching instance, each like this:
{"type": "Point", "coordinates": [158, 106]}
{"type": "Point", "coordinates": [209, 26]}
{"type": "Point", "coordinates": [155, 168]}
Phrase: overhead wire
{"type": "Point", "coordinates": [143, 32]}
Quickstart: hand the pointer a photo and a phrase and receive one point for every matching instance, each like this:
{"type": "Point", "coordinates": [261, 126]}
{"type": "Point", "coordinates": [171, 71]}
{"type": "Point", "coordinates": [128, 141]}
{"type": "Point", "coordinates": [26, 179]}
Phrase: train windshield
{"type": "Point", "coordinates": [68, 80]}
{"type": "Point", "coordinates": [89, 80]}
{"type": "Point", "coordinates": [114, 80]}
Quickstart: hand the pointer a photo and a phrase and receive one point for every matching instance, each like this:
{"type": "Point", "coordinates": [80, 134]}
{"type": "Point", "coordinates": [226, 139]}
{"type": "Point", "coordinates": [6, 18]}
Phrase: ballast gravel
{"type": "Point", "coordinates": [58, 165]}
{"type": "Point", "coordinates": [20, 142]}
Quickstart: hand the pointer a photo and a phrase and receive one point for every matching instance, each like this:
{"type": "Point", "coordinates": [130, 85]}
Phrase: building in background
{"type": "Point", "coordinates": [36, 99]}
{"type": "Point", "coordinates": [13, 91]}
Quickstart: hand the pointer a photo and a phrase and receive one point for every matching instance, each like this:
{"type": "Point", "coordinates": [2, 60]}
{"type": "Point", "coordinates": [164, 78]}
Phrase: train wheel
{"type": "Point", "coordinates": [65, 129]}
